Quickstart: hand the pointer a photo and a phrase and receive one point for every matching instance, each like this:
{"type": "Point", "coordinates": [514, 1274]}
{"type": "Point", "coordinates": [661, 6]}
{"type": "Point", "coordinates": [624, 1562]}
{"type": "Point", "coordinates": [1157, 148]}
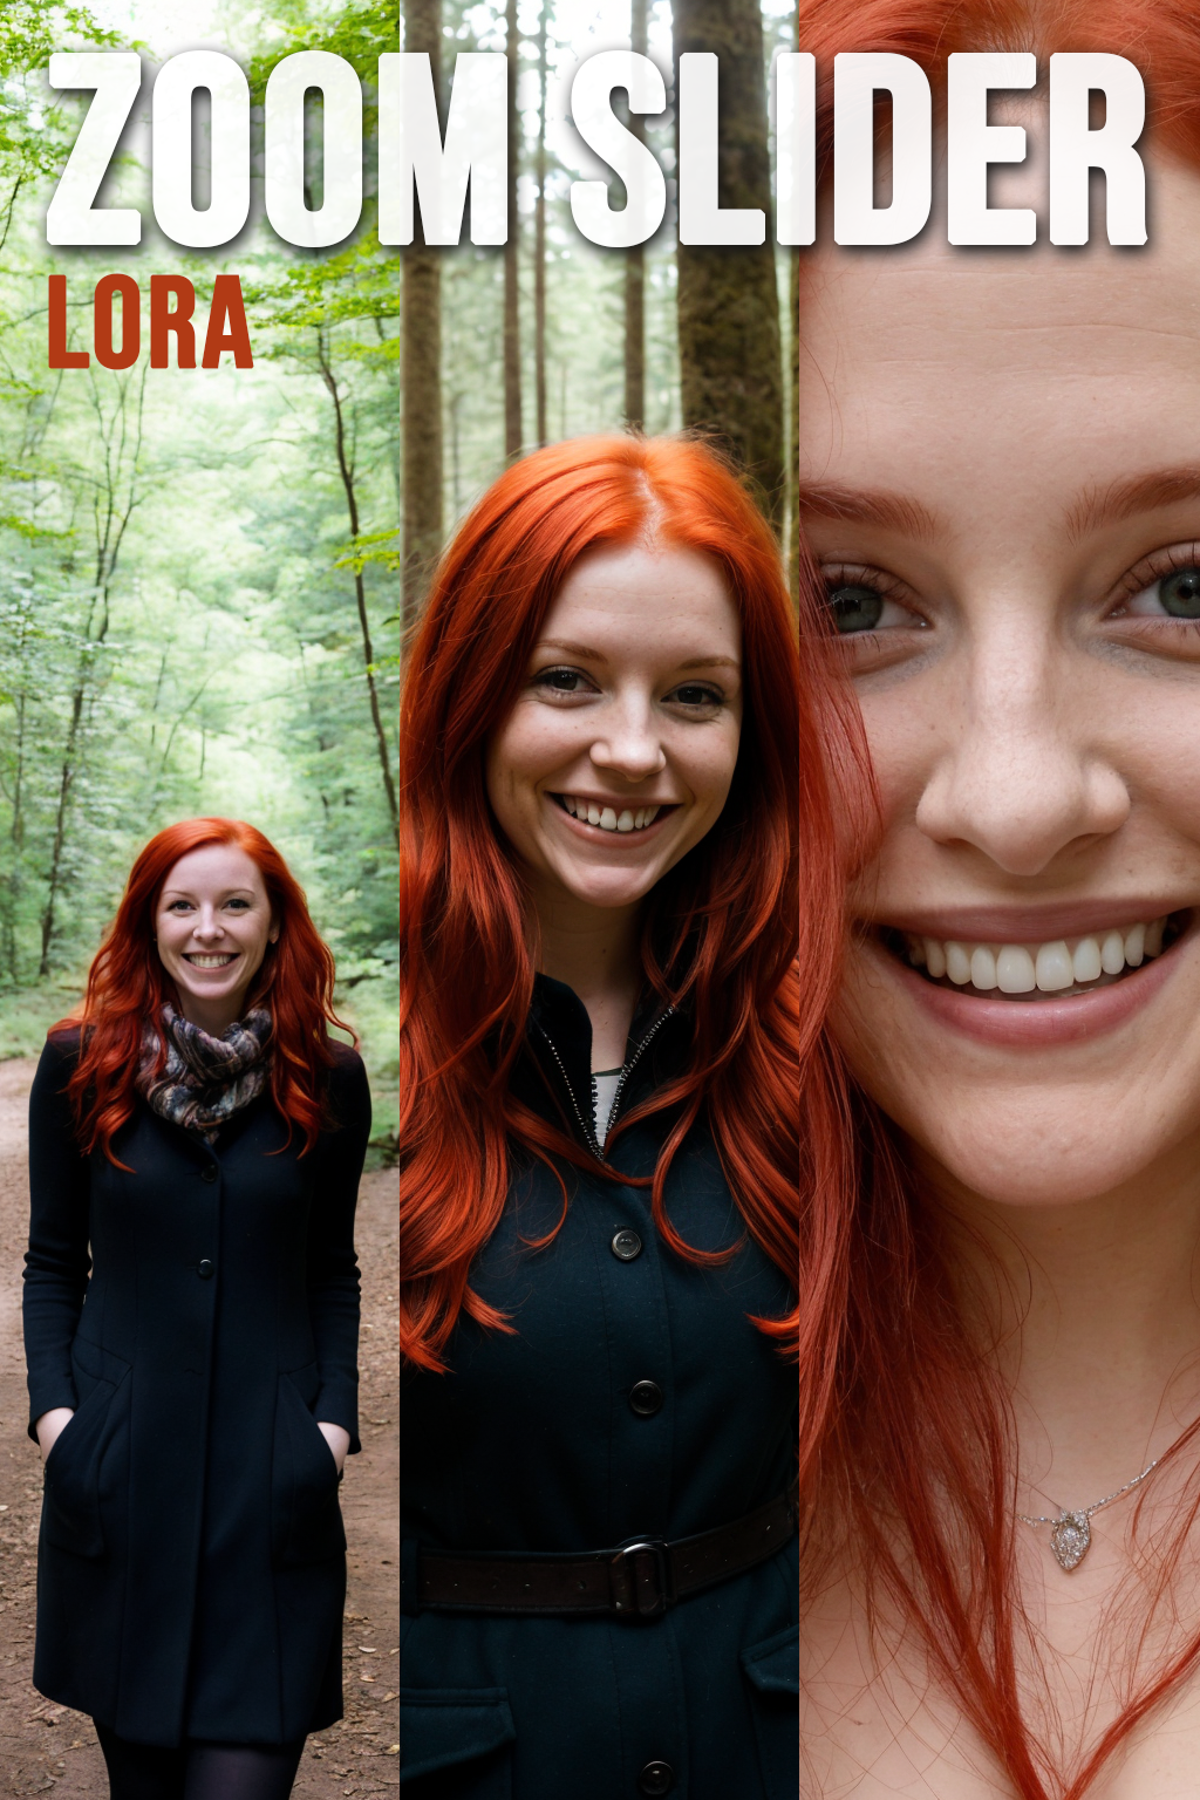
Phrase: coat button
{"type": "Point", "coordinates": [656, 1778]}
{"type": "Point", "coordinates": [209, 1172]}
{"type": "Point", "coordinates": [626, 1245]}
{"type": "Point", "coordinates": [205, 1269]}
{"type": "Point", "coordinates": [646, 1397]}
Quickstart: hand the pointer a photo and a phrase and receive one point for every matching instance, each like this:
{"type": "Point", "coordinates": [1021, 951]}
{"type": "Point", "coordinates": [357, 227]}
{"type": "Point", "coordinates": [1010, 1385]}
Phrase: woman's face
{"type": "Point", "coordinates": [618, 755]}
{"type": "Point", "coordinates": [1001, 478]}
{"type": "Point", "coordinates": [213, 924]}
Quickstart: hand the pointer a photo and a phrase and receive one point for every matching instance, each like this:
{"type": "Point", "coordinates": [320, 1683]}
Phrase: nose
{"type": "Point", "coordinates": [1024, 775]}
{"type": "Point", "coordinates": [628, 743]}
{"type": "Point", "coordinates": [207, 926]}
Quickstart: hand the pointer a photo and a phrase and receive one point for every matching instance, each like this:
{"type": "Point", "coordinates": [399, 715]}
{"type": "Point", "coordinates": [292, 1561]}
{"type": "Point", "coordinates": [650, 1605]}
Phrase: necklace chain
{"type": "Point", "coordinates": [1087, 1511]}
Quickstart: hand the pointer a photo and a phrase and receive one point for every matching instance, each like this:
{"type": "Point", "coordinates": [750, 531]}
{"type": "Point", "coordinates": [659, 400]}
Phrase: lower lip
{"type": "Point", "coordinates": [1033, 1023]}
{"type": "Point", "coordinates": [625, 840]}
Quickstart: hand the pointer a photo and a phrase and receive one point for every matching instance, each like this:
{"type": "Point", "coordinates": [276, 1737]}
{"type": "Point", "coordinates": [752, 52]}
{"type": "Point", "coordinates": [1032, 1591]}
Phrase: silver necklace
{"type": "Point", "coordinates": [1071, 1532]}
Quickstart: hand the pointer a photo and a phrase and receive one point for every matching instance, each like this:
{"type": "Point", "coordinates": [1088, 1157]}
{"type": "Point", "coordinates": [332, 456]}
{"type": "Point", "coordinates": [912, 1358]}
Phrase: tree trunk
{"type": "Point", "coordinates": [421, 371]}
{"type": "Point", "coordinates": [513, 433]}
{"type": "Point", "coordinates": [635, 261]}
{"type": "Point", "coordinates": [539, 249]}
{"type": "Point", "coordinates": [346, 471]}
{"type": "Point", "coordinates": [729, 344]}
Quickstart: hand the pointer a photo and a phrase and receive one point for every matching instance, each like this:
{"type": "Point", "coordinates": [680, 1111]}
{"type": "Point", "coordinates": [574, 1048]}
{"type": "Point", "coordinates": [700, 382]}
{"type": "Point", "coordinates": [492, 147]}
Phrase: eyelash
{"type": "Point", "coordinates": [1157, 567]}
{"type": "Point", "coordinates": [713, 695]}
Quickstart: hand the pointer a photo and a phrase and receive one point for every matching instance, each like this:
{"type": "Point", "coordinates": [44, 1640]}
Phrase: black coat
{"type": "Point", "coordinates": [191, 1561]}
{"type": "Point", "coordinates": [529, 1443]}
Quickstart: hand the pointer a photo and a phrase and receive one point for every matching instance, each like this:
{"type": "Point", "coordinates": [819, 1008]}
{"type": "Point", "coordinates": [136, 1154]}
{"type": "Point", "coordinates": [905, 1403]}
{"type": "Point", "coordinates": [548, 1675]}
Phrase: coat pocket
{"type": "Point", "coordinates": [71, 1509]}
{"type": "Point", "coordinates": [454, 1743]}
{"type": "Point", "coordinates": [772, 1670]}
{"type": "Point", "coordinates": [306, 1521]}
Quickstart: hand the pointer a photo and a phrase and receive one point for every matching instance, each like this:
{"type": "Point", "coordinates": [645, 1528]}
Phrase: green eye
{"type": "Point", "coordinates": [1180, 594]}
{"type": "Point", "coordinates": [855, 608]}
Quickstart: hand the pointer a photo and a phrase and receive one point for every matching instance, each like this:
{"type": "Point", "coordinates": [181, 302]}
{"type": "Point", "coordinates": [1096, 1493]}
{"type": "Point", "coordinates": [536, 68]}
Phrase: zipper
{"type": "Point", "coordinates": [589, 1130]}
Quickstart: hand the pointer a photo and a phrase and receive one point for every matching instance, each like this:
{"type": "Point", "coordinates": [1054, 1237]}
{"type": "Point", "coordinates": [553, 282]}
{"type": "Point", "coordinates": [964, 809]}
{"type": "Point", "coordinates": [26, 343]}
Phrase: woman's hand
{"type": "Point", "coordinates": [51, 1423]}
{"type": "Point", "coordinates": [336, 1436]}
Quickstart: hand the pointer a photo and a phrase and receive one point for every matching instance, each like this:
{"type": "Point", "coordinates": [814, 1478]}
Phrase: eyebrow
{"type": "Point", "coordinates": [867, 506]}
{"type": "Point", "coordinates": [226, 893]}
{"type": "Point", "coordinates": [586, 654]}
{"type": "Point", "coordinates": [1125, 499]}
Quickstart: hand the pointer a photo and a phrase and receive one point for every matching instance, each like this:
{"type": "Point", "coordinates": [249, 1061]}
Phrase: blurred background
{"type": "Point", "coordinates": [199, 571]}
{"type": "Point", "coordinates": [550, 336]}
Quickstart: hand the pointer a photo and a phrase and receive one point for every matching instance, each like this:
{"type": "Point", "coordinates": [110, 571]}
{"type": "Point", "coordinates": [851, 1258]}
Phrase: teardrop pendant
{"type": "Point", "coordinates": [1071, 1539]}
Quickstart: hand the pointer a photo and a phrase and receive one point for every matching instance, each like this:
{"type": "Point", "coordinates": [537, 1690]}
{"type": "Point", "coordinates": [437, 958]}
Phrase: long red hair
{"type": "Point", "coordinates": [911, 1452]}
{"type": "Point", "coordinates": [720, 930]}
{"type": "Point", "coordinates": [127, 985]}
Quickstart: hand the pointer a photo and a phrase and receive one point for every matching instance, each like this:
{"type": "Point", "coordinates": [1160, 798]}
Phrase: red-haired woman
{"type": "Point", "coordinates": [1000, 474]}
{"type": "Point", "coordinates": [191, 1322]}
{"type": "Point", "coordinates": [605, 751]}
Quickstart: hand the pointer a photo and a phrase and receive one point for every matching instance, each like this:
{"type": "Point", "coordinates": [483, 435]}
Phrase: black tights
{"type": "Point", "coordinates": [198, 1771]}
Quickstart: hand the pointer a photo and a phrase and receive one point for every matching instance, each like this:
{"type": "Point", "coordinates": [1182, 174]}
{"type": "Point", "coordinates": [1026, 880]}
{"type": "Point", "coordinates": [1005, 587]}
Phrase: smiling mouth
{"type": "Point", "coordinates": [1058, 969]}
{"type": "Point", "coordinates": [609, 818]}
{"type": "Point", "coordinates": [211, 962]}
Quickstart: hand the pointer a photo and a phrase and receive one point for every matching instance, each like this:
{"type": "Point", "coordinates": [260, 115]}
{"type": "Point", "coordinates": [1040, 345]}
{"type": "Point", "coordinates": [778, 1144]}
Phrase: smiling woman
{"type": "Point", "coordinates": [613, 775]}
{"type": "Point", "coordinates": [1001, 483]}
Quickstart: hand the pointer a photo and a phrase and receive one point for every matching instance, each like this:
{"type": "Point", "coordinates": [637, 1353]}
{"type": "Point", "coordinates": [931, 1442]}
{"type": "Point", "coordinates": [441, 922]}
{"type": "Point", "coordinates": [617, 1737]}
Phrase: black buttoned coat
{"type": "Point", "coordinates": [191, 1560]}
{"type": "Point", "coordinates": [534, 1442]}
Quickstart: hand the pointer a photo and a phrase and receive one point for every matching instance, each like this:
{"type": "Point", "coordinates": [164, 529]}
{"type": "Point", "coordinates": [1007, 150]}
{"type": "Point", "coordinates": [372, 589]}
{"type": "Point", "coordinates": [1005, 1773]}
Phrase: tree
{"type": "Point", "coordinates": [635, 261]}
{"type": "Point", "coordinates": [421, 334]}
{"type": "Point", "coordinates": [729, 338]}
{"type": "Point", "coordinates": [514, 435]}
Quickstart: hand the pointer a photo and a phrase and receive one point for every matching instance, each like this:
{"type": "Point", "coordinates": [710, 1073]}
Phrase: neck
{"type": "Point", "coordinates": [595, 951]}
{"type": "Point", "coordinates": [214, 1017]}
{"type": "Point", "coordinates": [1096, 1319]}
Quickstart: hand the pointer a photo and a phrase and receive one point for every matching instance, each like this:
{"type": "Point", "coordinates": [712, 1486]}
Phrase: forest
{"type": "Point", "coordinates": [199, 570]}
{"type": "Point", "coordinates": [548, 336]}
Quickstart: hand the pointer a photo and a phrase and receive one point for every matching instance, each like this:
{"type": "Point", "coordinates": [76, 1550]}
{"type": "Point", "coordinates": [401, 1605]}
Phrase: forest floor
{"type": "Point", "coordinates": [46, 1747]}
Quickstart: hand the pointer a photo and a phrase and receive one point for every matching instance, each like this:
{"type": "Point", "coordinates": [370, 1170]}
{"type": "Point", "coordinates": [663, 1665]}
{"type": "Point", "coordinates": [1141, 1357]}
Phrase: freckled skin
{"type": "Point", "coordinates": [1033, 721]}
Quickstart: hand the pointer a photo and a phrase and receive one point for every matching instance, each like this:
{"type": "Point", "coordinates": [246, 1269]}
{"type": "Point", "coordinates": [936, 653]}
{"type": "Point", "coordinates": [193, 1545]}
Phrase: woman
{"type": "Point", "coordinates": [599, 759]}
{"type": "Point", "coordinates": [197, 1131]}
{"type": "Point", "coordinates": [1000, 479]}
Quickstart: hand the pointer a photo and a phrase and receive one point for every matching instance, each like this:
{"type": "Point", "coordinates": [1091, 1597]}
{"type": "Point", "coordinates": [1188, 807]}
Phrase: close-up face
{"type": "Point", "coordinates": [213, 923]}
{"type": "Point", "coordinates": [1000, 477]}
{"type": "Point", "coordinates": [618, 755]}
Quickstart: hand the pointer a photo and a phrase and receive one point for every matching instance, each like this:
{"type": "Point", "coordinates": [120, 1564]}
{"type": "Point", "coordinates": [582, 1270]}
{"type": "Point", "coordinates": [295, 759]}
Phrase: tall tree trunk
{"type": "Point", "coordinates": [635, 261]}
{"type": "Point", "coordinates": [539, 248]}
{"type": "Point", "coordinates": [421, 371]}
{"type": "Point", "coordinates": [346, 471]}
{"type": "Point", "coordinates": [513, 433]}
{"type": "Point", "coordinates": [729, 344]}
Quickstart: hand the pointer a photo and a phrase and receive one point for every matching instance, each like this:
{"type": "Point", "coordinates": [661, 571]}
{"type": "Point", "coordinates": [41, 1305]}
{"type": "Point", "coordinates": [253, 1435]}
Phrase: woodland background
{"type": "Point", "coordinates": [199, 571]}
{"type": "Point", "coordinates": [550, 336]}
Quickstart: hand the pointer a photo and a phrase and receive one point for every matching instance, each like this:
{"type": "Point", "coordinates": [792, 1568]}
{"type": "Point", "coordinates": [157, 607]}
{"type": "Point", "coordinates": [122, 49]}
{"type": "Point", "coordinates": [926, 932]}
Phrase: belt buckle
{"type": "Point", "coordinates": [641, 1582]}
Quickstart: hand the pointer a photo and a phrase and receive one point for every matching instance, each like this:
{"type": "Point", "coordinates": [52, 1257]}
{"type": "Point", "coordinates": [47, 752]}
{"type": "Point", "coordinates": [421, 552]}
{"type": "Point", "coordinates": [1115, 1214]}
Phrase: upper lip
{"type": "Point", "coordinates": [1030, 924]}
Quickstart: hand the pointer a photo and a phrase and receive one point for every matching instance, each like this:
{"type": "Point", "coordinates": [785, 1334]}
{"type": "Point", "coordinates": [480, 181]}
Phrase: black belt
{"type": "Point", "coordinates": [637, 1580]}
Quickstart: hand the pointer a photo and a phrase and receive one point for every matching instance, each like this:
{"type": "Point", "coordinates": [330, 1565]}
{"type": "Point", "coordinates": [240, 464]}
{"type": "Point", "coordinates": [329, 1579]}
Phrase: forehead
{"type": "Point", "coordinates": [214, 866]}
{"type": "Point", "coordinates": [939, 371]}
{"type": "Point", "coordinates": [645, 596]}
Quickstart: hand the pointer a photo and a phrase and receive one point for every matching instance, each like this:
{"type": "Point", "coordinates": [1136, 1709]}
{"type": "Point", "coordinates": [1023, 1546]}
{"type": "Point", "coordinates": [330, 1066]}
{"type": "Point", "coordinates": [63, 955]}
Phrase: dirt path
{"type": "Point", "coordinates": [45, 1747]}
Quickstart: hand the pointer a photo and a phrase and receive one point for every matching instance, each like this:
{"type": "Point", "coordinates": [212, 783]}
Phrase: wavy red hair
{"type": "Point", "coordinates": [720, 930]}
{"type": "Point", "coordinates": [127, 985]}
{"type": "Point", "coordinates": [911, 1448]}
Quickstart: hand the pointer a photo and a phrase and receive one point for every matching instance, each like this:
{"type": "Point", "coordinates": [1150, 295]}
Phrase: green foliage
{"type": "Point", "coordinates": [185, 600]}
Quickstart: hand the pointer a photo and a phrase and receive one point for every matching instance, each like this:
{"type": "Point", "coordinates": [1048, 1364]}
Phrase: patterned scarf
{"type": "Point", "coordinates": [205, 1080]}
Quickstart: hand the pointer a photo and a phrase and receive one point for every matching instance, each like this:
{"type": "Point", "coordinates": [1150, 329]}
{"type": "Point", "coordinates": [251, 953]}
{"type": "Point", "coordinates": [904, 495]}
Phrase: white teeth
{"type": "Point", "coordinates": [607, 817]}
{"type": "Point", "coordinates": [1054, 967]}
{"type": "Point", "coordinates": [983, 968]}
{"type": "Point", "coordinates": [1112, 953]}
{"type": "Point", "coordinates": [958, 965]}
{"type": "Point", "coordinates": [1015, 973]}
{"type": "Point", "coordinates": [1086, 960]}
{"type": "Point", "coordinates": [1050, 968]}
{"type": "Point", "coordinates": [210, 962]}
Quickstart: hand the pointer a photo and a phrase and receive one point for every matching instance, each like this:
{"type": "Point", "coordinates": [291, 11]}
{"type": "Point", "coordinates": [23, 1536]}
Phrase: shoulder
{"type": "Point", "coordinates": [346, 1083]}
{"type": "Point", "coordinates": [60, 1055]}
